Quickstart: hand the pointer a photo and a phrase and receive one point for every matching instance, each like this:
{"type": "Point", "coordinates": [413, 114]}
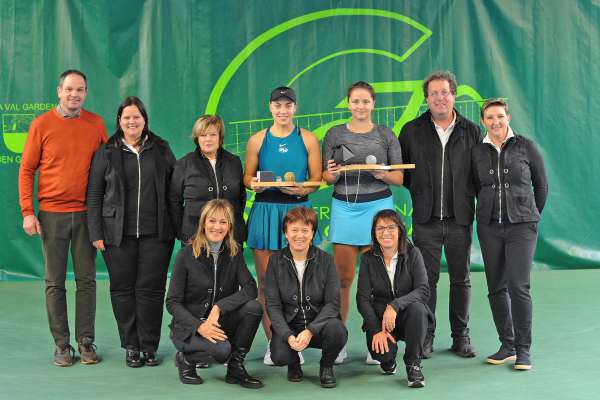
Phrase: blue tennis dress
{"type": "Point", "coordinates": [265, 222]}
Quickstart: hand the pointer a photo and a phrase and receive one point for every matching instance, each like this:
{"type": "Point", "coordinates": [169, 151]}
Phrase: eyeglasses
{"type": "Point", "coordinates": [443, 93]}
{"type": "Point", "coordinates": [388, 228]}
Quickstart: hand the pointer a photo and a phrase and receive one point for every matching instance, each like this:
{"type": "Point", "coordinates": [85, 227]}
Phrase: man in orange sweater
{"type": "Point", "coordinates": [60, 146]}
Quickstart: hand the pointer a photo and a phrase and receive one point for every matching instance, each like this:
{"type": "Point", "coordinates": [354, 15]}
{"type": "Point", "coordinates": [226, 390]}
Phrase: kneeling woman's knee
{"type": "Point", "coordinates": [220, 351]}
{"type": "Point", "coordinates": [281, 353]}
{"type": "Point", "coordinates": [252, 307]}
{"type": "Point", "coordinates": [335, 327]}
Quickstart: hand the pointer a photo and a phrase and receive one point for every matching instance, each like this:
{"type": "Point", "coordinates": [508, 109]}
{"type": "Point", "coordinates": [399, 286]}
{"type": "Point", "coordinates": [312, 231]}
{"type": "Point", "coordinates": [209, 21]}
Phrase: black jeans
{"type": "Point", "coordinates": [411, 327]}
{"type": "Point", "coordinates": [61, 231]}
{"type": "Point", "coordinates": [331, 340]}
{"type": "Point", "coordinates": [508, 251]}
{"type": "Point", "coordinates": [138, 274]}
{"type": "Point", "coordinates": [456, 240]}
{"type": "Point", "coordinates": [239, 325]}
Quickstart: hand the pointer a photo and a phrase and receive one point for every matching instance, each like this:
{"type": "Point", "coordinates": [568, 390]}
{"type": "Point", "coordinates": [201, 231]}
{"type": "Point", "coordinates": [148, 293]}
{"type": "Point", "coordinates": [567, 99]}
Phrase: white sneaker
{"type": "Point", "coordinates": [342, 356]}
{"type": "Point", "coordinates": [267, 358]}
{"type": "Point", "coordinates": [370, 360]}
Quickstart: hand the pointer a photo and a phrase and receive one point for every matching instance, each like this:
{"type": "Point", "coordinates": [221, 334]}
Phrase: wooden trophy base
{"type": "Point", "coordinates": [375, 167]}
{"type": "Point", "coordinates": [286, 184]}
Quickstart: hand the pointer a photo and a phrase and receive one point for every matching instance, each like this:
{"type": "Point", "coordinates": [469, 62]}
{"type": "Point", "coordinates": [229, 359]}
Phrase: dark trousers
{"type": "Point", "coordinates": [331, 340]}
{"type": "Point", "coordinates": [411, 327]}
{"type": "Point", "coordinates": [61, 231]}
{"type": "Point", "coordinates": [456, 240]}
{"type": "Point", "coordinates": [239, 325]}
{"type": "Point", "coordinates": [138, 274]}
{"type": "Point", "coordinates": [508, 251]}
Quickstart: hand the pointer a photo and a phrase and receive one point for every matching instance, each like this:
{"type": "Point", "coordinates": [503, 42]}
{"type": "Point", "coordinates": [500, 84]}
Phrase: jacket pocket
{"type": "Point", "coordinates": [526, 206]}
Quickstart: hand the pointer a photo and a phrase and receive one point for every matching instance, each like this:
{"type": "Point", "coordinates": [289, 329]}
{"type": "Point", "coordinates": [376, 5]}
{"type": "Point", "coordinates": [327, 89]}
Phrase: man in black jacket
{"type": "Point", "coordinates": [439, 142]}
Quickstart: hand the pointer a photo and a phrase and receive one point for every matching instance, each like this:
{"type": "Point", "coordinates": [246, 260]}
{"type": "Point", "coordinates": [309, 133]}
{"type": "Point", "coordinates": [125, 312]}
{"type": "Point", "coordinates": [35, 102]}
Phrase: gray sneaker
{"type": "Point", "coordinates": [63, 355]}
{"type": "Point", "coordinates": [87, 352]}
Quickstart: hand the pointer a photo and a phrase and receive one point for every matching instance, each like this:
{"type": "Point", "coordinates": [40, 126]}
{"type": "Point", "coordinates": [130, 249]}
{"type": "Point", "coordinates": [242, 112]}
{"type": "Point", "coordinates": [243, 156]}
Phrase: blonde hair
{"type": "Point", "coordinates": [200, 242]}
{"type": "Point", "coordinates": [205, 122]}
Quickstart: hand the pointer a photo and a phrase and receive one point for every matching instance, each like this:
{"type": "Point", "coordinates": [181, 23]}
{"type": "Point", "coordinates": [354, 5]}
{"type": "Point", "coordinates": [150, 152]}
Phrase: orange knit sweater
{"type": "Point", "coordinates": [61, 149]}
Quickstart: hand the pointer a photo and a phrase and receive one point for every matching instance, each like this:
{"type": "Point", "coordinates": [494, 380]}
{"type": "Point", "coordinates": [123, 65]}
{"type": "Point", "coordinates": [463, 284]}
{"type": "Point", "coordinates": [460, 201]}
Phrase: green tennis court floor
{"type": "Point", "coordinates": [566, 353]}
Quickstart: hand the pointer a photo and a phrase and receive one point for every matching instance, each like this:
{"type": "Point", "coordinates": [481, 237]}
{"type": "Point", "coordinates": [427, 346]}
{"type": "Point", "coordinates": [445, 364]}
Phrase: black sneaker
{"type": "Point", "coordinates": [428, 346]}
{"type": "Point", "coordinates": [295, 373]}
{"type": "Point", "coordinates": [150, 359]}
{"type": "Point", "coordinates": [523, 362]}
{"type": "Point", "coordinates": [388, 367]}
{"type": "Point", "coordinates": [133, 359]}
{"type": "Point", "coordinates": [64, 355]}
{"type": "Point", "coordinates": [501, 356]}
{"type": "Point", "coordinates": [414, 376]}
{"type": "Point", "coordinates": [462, 346]}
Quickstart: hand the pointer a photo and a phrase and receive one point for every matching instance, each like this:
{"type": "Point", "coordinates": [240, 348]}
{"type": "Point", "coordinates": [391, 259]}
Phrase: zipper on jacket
{"type": "Point", "coordinates": [215, 173]}
{"type": "Point", "coordinates": [139, 191]}
{"type": "Point", "coordinates": [300, 285]}
{"type": "Point", "coordinates": [499, 190]}
{"type": "Point", "coordinates": [137, 223]}
{"type": "Point", "coordinates": [385, 269]}
{"type": "Point", "coordinates": [442, 184]}
{"type": "Point", "coordinates": [216, 180]}
{"type": "Point", "coordinates": [214, 294]}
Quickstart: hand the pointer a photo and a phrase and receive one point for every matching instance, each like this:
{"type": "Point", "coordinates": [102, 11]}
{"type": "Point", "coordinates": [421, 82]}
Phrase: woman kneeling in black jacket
{"type": "Point", "coordinates": [302, 293]}
{"type": "Point", "coordinates": [392, 297]}
{"type": "Point", "coordinates": [212, 298]}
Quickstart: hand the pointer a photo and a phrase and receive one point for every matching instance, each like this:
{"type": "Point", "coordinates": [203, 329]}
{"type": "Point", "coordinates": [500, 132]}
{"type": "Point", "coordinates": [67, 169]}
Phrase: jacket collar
{"type": "Point", "coordinates": [223, 253]}
{"type": "Point", "coordinates": [376, 251]}
{"type": "Point", "coordinates": [312, 252]}
{"type": "Point", "coordinates": [115, 140]}
{"type": "Point", "coordinates": [425, 119]}
{"type": "Point", "coordinates": [509, 134]}
{"type": "Point", "coordinates": [201, 156]}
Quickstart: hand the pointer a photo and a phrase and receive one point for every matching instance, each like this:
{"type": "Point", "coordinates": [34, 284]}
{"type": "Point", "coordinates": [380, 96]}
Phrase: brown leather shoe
{"type": "Point", "coordinates": [87, 352]}
{"type": "Point", "coordinates": [63, 355]}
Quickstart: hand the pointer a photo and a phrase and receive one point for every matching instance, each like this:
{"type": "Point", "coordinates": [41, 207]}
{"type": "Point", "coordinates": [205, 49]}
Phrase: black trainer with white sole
{"type": "Point", "coordinates": [523, 362]}
{"type": "Point", "coordinates": [388, 368]}
{"type": "Point", "coordinates": [414, 376]}
{"type": "Point", "coordinates": [503, 355]}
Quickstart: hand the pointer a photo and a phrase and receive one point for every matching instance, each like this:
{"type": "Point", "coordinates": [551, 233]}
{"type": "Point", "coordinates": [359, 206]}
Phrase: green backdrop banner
{"type": "Point", "coordinates": [184, 58]}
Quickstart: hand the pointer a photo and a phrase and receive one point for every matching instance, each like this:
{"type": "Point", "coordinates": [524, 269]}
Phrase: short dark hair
{"type": "Point", "coordinates": [394, 217]}
{"type": "Point", "coordinates": [493, 102]}
{"type": "Point", "coordinates": [61, 78]}
{"type": "Point", "coordinates": [361, 85]}
{"type": "Point", "coordinates": [133, 101]}
{"type": "Point", "coordinates": [301, 214]}
{"type": "Point", "coordinates": [440, 76]}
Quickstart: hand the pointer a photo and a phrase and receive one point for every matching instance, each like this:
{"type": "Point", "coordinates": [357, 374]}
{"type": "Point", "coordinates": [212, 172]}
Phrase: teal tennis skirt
{"type": "Point", "coordinates": [265, 225]}
{"type": "Point", "coordinates": [351, 223]}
